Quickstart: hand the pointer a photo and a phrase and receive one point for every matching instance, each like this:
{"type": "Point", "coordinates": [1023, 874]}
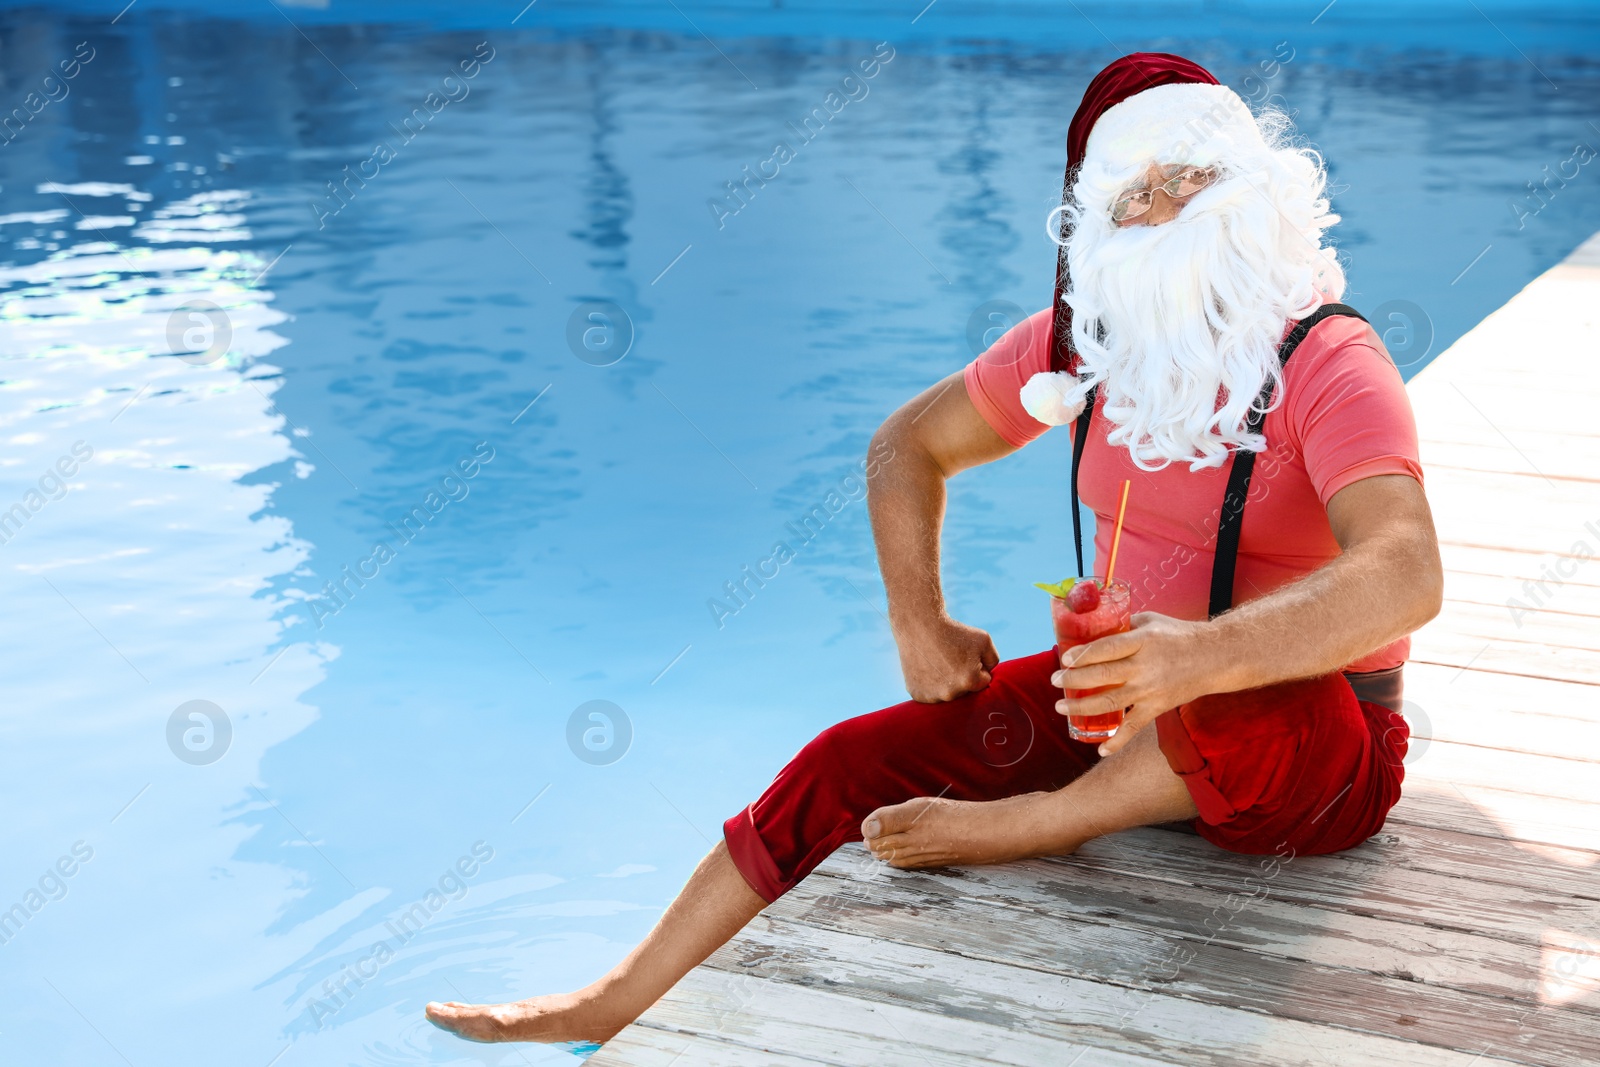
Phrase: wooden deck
{"type": "Point", "coordinates": [1466, 934]}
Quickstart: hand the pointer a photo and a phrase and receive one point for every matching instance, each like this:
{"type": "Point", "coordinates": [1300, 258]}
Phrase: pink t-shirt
{"type": "Point", "coordinates": [1345, 416]}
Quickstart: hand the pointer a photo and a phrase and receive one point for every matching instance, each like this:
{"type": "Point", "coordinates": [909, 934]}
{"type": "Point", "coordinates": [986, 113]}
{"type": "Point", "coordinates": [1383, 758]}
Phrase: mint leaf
{"type": "Point", "coordinates": [1060, 589]}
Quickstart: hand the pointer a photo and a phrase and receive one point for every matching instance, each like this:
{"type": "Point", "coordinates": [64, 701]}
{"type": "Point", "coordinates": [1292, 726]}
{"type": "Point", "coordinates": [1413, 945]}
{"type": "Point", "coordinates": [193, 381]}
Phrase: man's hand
{"type": "Point", "coordinates": [944, 659]}
{"type": "Point", "coordinates": [1159, 664]}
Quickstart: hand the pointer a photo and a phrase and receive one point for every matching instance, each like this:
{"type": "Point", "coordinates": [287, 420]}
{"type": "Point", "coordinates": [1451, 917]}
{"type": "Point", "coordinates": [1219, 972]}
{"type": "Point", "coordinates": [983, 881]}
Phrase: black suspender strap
{"type": "Point", "coordinates": [1080, 437]}
{"type": "Point", "coordinates": [1231, 520]}
{"type": "Point", "coordinates": [1229, 525]}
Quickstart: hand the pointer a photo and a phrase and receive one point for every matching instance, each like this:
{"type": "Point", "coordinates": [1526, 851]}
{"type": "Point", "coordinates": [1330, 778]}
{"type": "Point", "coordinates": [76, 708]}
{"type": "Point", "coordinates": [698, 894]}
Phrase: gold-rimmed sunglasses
{"type": "Point", "coordinates": [1178, 180]}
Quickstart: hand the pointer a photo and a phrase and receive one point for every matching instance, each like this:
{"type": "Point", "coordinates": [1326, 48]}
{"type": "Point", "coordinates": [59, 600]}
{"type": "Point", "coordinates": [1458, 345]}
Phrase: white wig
{"type": "Point", "coordinates": [1179, 324]}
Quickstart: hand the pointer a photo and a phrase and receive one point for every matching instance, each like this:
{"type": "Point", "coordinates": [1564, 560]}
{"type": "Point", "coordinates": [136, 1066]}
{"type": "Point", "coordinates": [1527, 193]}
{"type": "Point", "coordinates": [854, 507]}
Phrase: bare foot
{"type": "Point", "coordinates": [935, 832]}
{"type": "Point", "coordinates": [560, 1017]}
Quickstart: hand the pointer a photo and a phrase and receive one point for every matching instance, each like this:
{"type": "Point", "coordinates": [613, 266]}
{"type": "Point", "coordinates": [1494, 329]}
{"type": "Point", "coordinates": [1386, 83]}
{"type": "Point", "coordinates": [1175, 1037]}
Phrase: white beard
{"type": "Point", "coordinates": [1179, 324]}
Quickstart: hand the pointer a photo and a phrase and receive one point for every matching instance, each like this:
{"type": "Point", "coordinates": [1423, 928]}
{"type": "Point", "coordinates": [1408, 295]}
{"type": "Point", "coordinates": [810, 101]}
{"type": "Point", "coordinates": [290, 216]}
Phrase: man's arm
{"type": "Point", "coordinates": [1387, 582]}
{"type": "Point", "coordinates": [930, 439]}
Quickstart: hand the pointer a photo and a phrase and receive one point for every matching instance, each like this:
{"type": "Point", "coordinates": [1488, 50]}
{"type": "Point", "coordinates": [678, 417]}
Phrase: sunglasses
{"type": "Point", "coordinates": [1177, 181]}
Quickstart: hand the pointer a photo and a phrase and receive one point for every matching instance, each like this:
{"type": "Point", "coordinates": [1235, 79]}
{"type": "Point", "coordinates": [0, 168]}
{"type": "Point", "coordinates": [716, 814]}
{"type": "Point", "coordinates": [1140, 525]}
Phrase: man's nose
{"type": "Point", "coordinates": [1163, 208]}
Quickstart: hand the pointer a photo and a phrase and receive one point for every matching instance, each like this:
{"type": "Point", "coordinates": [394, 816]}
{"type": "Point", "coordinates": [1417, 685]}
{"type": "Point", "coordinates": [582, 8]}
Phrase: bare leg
{"type": "Point", "coordinates": [714, 905]}
{"type": "Point", "coordinates": [1134, 787]}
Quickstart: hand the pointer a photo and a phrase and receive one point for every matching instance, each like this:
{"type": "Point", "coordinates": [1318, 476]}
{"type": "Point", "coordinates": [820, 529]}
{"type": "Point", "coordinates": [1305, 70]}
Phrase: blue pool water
{"type": "Point", "coordinates": [400, 805]}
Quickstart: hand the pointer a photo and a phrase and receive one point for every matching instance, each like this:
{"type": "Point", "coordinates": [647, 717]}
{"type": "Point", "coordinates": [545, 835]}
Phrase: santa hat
{"type": "Point", "coordinates": [1148, 106]}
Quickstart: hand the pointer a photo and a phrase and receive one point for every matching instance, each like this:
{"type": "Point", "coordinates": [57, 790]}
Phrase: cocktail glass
{"type": "Point", "coordinates": [1112, 616]}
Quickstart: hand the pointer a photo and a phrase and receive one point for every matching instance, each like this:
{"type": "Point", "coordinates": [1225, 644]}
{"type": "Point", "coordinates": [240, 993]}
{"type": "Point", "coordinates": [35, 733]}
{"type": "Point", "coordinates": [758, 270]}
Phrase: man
{"type": "Point", "coordinates": [1196, 242]}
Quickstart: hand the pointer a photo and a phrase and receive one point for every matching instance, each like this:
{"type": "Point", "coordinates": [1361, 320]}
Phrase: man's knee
{"type": "Point", "coordinates": [1296, 763]}
{"type": "Point", "coordinates": [830, 758]}
{"type": "Point", "coordinates": [992, 724]}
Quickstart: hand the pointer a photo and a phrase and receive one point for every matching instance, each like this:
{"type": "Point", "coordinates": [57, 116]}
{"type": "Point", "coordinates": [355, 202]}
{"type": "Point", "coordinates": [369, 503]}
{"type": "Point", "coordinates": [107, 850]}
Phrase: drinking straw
{"type": "Point", "coordinates": [1116, 536]}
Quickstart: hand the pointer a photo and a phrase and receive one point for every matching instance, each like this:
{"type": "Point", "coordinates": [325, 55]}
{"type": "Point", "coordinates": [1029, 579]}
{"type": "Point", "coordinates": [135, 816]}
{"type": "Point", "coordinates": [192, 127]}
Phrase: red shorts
{"type": "Point", "coordinates": [1294, 769]}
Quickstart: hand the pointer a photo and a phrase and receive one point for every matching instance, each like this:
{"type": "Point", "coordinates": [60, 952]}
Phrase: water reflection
{"type": "Point", "coordinates": [141, 581]}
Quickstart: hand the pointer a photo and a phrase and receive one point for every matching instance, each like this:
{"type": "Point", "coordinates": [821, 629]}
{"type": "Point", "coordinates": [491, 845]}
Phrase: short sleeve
{"type": "Point", "coordinates": [995, 379]}
{"type": "Point", "coordinates": [1347, 409]}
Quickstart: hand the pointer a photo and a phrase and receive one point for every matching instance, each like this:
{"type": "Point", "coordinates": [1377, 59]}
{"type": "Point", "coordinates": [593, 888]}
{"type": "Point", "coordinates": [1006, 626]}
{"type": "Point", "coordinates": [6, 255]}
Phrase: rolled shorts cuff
{"type": "Point", "coordinates": [1187, 763]}
{"type": "Point", "coordinates": [749, 854]}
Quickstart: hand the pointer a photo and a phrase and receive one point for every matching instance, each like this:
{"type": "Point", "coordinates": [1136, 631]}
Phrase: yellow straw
{"type": "Point", "coordinates": [1116, 536]}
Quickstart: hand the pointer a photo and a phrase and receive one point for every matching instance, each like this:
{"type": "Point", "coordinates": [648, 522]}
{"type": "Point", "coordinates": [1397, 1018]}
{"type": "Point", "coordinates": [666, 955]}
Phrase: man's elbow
{"type": "Point", "coordinates": [886, 438]}
{"type": "Point", "coordinates": [1428, 583]}
{"type": "Point", "coordinates": [897, 443]}
{"type": "Point", "coordinates": [887, 443]}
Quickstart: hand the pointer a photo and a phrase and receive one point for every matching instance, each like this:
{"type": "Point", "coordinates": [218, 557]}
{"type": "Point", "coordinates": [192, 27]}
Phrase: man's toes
{"type": "Point", "coordinates": [917, 859]}
{"type": "Point", "coordinates": [885, 848]}
{"type": "Point", "coordinates": [894, 818]}
{"type": "Point", "coordinates": [906, 853]}
{"type": "Point", "coordinates": [473, 1022]}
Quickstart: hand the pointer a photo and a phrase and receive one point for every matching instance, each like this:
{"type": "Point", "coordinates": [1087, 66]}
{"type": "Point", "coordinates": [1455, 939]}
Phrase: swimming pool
{"type": "Point", "coordinates": [226, 384]}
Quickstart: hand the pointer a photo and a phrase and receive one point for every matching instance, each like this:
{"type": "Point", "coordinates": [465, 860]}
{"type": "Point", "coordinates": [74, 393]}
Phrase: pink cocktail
{"type": "Point", "coordinates": [1110, 616]}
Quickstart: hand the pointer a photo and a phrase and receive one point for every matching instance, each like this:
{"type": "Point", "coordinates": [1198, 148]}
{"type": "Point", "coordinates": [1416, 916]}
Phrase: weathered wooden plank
{"type": "Point", "coordinates": [1558, 456]}
{"type": "Point", "coordinates": [643, 1045]}
{"type": "Point", "coordinates": [745, 1019]}
{"type": "Point", "coordinates": [1021, 930]}
{"type": "Point", "coordinates": [1448, 763]}
{"type": "Point", "coordinates": [1507, 580]}
{"type": "Point", "coordinates": [1493, 652]}
{"type": "Point", "coordinates": [1462, 550]}
{"type": "Point", "coordinates": [1491, 862]}
{"type": "Point", "coordinates": [1552, 530]}
{"type": "Point", "coordinates": [1538, 496]}
{"type": "Point", "coordinates": [1452, 391]}
{"type": "Point", "coordinates": [1534, 421]}
{"type": "Point", "coordinates": [1456, 424]}
{"type": "Point", "coordinates": [1550, 316]}
{"type": "Point", "coordinates": [1538, 627]}
{"type": "Point", "coordinates": [1193, 872]}
{"type": "Point", "coordinates": [1119, 922]}
{"type": "Point", "coordinates": [1151, 1022]}
{"type": "Point", "coordinates": [1523, 817]}
{"type": "Point", "coordinates": [1460, 427]}
{"type": "Point", "coordinates": [1409, 912]}
{"type": "Point", "coordinates": [938, 929]}
{"type": "Point", "coordinates": [1461, 641]}
{"type": "Point", "coordinates": [1533, 715]}
{"type": "Point", "coordinates": [1576, 604]}
{"type": "Point", "coordinates": [1478, 362]}
{"type": "Point", "coordinates": [1547, 516]}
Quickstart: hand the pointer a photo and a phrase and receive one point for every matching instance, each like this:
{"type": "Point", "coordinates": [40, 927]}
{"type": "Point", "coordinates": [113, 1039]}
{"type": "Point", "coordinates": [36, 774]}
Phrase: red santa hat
{"type": "Point", "coordinates": [1135, 100]}
{"type": "Point", "coordinates": [1144, 107]}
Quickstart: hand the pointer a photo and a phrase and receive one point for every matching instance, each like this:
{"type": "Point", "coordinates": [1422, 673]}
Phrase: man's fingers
{"type": "Point", "coordinates": [976, 680]}
{"type": "Point", "coordinates": [1135, 721]}
{"type": "Point", "coordinates": [941, 693]}
{"type": "Point", "coordinates": [1115, 743]}
{"type": "Point", "coordinates": [1103, 650]}
{"type": "Point", "coordinates": [1095, 703]}
{"type": "Point", "coordinates": [1091, 677]}
{"type": "Point", "coordinates": [990, 657]}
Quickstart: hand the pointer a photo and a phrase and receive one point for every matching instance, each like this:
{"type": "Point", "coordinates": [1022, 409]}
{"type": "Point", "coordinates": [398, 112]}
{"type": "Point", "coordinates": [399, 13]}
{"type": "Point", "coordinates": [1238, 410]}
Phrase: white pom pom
{"type": "Point", "coordinates": [1045, 398]}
